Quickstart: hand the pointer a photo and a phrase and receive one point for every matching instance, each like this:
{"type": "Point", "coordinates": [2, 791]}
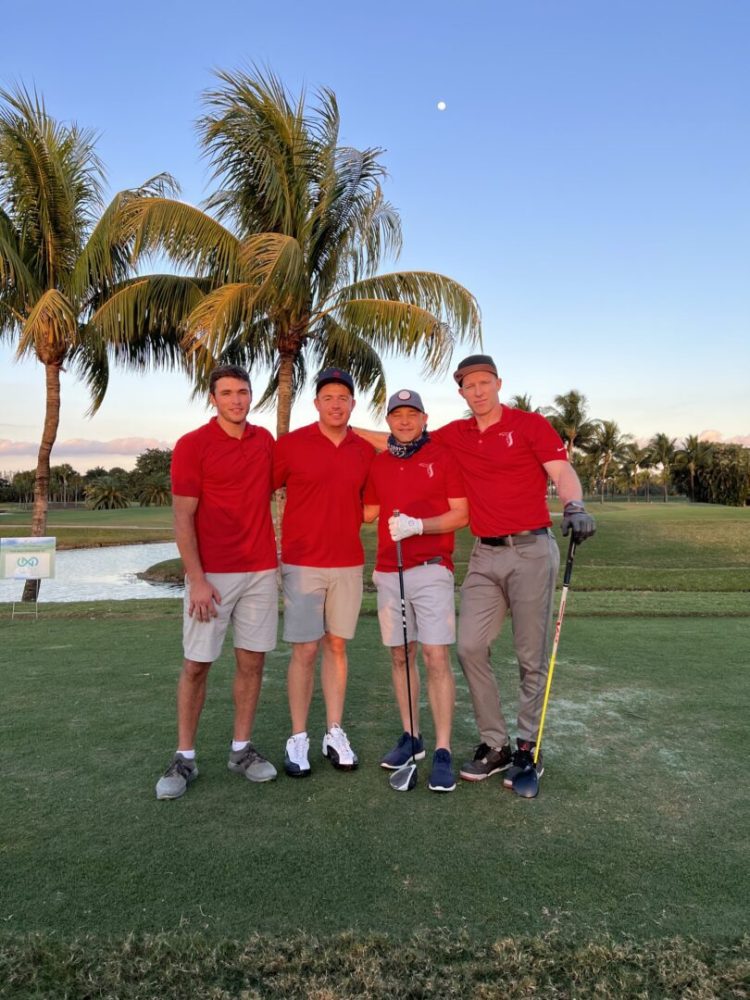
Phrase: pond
{"type": "Point", "coordinates": [101, 574]}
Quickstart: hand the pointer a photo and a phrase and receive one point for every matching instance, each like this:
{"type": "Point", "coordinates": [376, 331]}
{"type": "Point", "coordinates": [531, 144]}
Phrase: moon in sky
{"type": "Point", "coordinates": [441, 105]}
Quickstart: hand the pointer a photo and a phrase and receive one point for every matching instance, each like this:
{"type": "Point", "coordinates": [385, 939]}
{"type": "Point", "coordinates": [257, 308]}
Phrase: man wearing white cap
{"type": "Point", "coordinates": [417, 475]}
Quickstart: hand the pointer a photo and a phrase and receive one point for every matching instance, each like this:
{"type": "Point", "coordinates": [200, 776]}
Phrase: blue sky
{"type": "Point", "coordinates": [588, 181]}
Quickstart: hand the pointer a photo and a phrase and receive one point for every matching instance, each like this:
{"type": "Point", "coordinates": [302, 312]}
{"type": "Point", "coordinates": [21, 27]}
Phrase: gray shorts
{"type": "Point", "coordinates": [430, 606]}
{"type": "Point", "coordinates": [319, 600]}
{"type": "Point", "coordinates": [250, 601]}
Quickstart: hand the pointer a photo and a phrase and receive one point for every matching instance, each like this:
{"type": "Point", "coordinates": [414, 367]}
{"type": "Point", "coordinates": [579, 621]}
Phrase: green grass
{"type": "Point", "coordinates": [87, 528]}
{"type": "Point", "coordinates": [627, 876]}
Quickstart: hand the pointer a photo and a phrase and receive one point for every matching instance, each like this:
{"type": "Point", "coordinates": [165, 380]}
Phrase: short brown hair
{"type": "Point", "coordinates": [227, 371]}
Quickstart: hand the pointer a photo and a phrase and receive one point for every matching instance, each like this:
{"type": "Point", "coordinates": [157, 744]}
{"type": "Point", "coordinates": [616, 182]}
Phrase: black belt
{"type": "Point", "coordinates": [511, 539]}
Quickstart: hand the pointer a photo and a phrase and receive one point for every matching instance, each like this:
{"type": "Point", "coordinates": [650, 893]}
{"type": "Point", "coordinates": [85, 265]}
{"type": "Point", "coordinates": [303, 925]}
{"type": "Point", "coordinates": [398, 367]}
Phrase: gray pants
{"type": "Point", "coordinates": [520, 579]}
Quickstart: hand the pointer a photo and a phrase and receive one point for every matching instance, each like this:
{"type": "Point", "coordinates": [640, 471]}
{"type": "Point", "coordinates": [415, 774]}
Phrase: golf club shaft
{"type": "Point", "coordinates": [400, 564]}
{"type": "Point", "coordinates": [556, 642]}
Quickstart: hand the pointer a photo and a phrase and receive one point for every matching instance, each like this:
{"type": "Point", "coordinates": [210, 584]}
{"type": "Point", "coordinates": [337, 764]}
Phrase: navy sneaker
{"type": "Point", "coordinates": [442, 778]}
{"type": "Point", "coordinates": [487, 761]}
{"type": "Point", "coordinates": [401, 753]}
{"type": "Point", "coordinates": [523, 758]}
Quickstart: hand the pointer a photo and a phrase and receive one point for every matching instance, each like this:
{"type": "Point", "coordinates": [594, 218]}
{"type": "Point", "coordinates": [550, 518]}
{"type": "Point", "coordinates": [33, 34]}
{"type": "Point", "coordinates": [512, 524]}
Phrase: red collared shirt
{"type": "Point", "coordinates": [419, 486]}
{"type": "Point", "coordinates": [503, 469]}
{"type": "Point", "coordinates": [231, 478]}
{"type": "Point", "coordinates": [324, 484]}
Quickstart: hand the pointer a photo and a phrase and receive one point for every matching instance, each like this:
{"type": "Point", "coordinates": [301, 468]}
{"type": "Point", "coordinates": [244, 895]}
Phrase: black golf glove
{"type": "Point", "coordinates": [576, 518]}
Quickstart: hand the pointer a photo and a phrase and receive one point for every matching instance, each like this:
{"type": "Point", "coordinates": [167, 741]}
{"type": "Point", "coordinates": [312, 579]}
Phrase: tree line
{"type": "Point", "coordinates": [610, 462]}
{"type": "Point", "coordinates": [100, 489]}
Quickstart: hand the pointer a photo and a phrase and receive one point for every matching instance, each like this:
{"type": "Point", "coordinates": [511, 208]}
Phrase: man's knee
{"type": "Point", "coordinates": [195, 671]}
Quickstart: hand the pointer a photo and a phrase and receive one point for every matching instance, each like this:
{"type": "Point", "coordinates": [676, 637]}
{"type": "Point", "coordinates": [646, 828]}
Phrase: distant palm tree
{"type": "Point", "coordinates": [663, 449]}
{"type": "Point", "coordinates": [523, 402]}
{"type": "Point", "coordinates": [291, 255]}
{"type": "Point", "coordinates": [633, 461]}
{"type": "Point", "coordinates": [61, 254]}
{"type": "Point", "coordinates": [693, 455]}
{"type": "Point", "coordinates": [106, 494]}
{"type": "Point", "coordinates": [569, 417]}
{"type": "Point", "coordinates": [607, 444]}
{"type": "Point", "coordinates": [155, 492]}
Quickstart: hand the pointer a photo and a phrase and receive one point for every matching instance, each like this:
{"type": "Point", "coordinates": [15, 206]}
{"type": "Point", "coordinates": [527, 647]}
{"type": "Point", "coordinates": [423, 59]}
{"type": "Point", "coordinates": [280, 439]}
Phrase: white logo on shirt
{"type": "Point", "coordinates": [508, 435]}
{"type": "Point", "coordinates": [428, 466]}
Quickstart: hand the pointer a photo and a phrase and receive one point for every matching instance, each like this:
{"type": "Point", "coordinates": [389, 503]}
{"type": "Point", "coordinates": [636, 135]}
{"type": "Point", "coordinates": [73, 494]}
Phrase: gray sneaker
{"type": "Point", "coordinates": [173, 783]}
{"type": "Point", "coordinates": [487, 761]}
{"type": "Point", "coordinates": [253, 765]}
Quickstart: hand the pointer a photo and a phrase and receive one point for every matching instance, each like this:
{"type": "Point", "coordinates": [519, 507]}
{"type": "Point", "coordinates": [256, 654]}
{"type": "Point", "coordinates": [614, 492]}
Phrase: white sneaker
{"type": "Point", "coordinates": [296, 763]}
{"type": "Point", "coordinates": [337, 749]}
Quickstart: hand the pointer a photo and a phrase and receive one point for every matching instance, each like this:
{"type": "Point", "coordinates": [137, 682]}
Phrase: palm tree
{"type": "Point", "coordinates": [155, 492]}
{"type": "Point", "coordinates": [523, 402]}
{"type": "Point", "coordinates": [663, 449]}
{"type": "Point", "coordinates": [633, 461]}
{"type": "Point", "coordinates": [607, 444]}
{"type": "Point", "coordinates": [61, 255]}
{"type": "Point", "coordinates": [569, 418]}
{"type": "Point", "coordinates": [692, 455]}
{"type": "Point", "coordinates": [290, 253]}
{"type": "Point", "coordinates": [106, 493]}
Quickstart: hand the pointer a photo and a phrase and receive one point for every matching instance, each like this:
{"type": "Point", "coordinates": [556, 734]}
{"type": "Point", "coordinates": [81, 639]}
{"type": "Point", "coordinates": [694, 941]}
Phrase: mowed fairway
{"type": "Point", "coordinates": [337, 886]}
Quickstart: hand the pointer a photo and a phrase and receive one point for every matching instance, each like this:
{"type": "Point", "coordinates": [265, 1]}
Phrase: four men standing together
{"type": "Point", "coordinates": [490, 469]}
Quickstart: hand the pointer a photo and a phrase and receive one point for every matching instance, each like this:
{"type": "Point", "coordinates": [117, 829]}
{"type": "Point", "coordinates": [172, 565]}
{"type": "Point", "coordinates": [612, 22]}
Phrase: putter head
{"type": "Point", "coordinates": [404, 779]}
{"type": "Point", "coordinates": [526, 783]}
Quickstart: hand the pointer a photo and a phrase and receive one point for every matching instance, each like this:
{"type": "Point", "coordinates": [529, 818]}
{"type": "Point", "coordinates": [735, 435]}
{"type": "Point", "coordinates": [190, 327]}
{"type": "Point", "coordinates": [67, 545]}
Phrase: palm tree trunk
{"type": "Point", "coordinates": [41, 481]}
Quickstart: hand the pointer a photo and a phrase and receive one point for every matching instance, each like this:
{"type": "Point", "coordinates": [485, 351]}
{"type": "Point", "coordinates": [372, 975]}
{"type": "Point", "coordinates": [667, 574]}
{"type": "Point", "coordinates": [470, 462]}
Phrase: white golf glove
{"type": "Point", "coordinates": [403, 526]}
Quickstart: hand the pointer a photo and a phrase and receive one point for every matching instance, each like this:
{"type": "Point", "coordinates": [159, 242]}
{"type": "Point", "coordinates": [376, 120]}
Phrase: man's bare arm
{"type": "Point", "coordinates": [202, 594]}
{"type": "Point", "coordinates": [378, 439]}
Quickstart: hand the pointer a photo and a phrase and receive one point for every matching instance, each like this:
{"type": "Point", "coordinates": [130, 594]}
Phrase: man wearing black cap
{"type": "Point", "coordinates": [324, 467]}
{"type": "Point", "coordinates": [506, 457]}
{"type": "Point", "coordinates": [417, 475]}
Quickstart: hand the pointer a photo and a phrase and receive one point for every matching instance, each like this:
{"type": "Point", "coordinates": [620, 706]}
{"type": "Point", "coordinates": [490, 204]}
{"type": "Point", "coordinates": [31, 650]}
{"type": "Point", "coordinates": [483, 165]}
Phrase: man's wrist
{"type": "Point", "coordinates": [574, 506]}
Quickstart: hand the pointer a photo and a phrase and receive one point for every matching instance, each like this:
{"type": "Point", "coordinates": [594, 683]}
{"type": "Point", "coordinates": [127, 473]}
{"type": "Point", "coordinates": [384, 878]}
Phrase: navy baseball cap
{"type": "Point", "coordinates": [405, 397]}
{"type": "Point", "coordinates": [329, 375]}
{"type": "Point", "coordinates": [475, 363]}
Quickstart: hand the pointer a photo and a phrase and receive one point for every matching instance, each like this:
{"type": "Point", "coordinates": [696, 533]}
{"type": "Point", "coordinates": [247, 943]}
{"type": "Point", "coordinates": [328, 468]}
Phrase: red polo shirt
{"type": "Point", "coordinates": [419, 486]}
{"type": "Point", "coordinates": [324, 484]}
{"type": "Point", "coordinates": [502, 468]}
{"type": "Point", "coordinates": [231, 478]}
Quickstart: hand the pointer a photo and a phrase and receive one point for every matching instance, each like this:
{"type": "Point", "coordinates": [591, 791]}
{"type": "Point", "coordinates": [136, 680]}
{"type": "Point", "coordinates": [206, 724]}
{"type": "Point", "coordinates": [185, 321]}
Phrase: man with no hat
{"type": "Point", "coordinates": [506, 457]}
{"type": "Point", "coordinates": [221, 495]}
{"type": "Point", "coordinates": [324, 468]}
{"type": "Point", "coordinates": [417, 475]}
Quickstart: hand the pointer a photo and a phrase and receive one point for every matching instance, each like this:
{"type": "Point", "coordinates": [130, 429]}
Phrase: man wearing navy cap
{"type": "Point", "coordinates": [324, 468]}
{"type": "Point", "coordinates": [419, 476]}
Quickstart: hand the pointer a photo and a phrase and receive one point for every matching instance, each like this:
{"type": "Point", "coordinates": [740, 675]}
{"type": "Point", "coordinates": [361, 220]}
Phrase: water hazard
{"type": "Point", "coordinates": [102, 574]}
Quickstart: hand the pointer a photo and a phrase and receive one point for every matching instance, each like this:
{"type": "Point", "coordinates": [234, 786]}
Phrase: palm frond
{"type": "Point", "coordinates": [189, 236]}
{"type": "Point", "coordinates": [50, 331]}
{"type": "Point", "coordinates": [337, 347]}
{"type": "Point", "coordinates": [89, 361]}
{"type": "Point", "coordinates": [150, 307]}
{"type": "Point", "coordinates": [299, 377]}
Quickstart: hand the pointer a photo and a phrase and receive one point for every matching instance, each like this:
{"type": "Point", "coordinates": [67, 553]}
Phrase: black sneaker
{"type": "Point", "coordinates": [523, 758]}
{"type": "Point", "coordinates": [486, 761]}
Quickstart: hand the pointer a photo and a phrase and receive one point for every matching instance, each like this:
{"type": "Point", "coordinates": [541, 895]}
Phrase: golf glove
{"type": "Point", "coordinates": [576, 518]}
{"type": "Point", "coordinates": [403, 526]}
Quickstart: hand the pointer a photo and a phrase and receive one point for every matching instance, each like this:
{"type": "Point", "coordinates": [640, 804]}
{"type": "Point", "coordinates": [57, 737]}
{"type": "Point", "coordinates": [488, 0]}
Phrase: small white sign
{"type": "Point", "coordinates": [27, 558]}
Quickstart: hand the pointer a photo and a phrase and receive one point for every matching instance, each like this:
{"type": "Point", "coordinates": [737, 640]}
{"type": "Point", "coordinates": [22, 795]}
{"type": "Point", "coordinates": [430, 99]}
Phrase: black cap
{"type": "Point", "coordinates": [475, 363]}
{"type": "Point", "coordinates": [334, 375]}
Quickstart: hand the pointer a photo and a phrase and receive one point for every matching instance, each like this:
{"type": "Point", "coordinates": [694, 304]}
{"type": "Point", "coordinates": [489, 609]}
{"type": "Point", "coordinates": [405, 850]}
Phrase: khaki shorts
{"type": "Point", "coordinates": [250, 601]}
{"type": "Point", "coordinates": [319, 600]}
{"type": "Point", "coordinates": [430, 606]}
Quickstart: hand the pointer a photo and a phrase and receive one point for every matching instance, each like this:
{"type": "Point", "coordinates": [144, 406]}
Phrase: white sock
{"type": "Point", "coordinates": [238, 745]}
{"type": "Point", "coordinates": [187, 754]}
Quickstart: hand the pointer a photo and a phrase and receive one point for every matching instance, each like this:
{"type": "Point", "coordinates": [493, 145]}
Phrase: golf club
{"type": "Point", "coordinates": [405, 778]}
{"type": "Point", "coordinates": [526, 782]}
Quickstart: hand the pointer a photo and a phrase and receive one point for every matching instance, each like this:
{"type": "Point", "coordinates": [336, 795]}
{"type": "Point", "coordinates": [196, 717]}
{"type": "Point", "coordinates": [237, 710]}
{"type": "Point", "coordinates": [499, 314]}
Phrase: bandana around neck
{"type": "Point", "coordinates": [399, 450]}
